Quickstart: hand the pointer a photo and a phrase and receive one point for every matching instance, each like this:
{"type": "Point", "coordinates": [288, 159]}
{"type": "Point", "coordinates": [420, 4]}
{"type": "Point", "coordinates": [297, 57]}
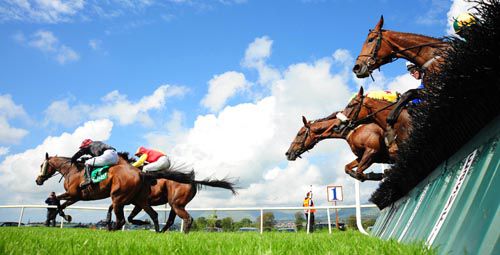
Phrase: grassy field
{"type": "Point", "coordinates": [38, 240]}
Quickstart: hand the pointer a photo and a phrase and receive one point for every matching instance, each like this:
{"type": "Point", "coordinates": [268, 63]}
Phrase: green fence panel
{"type": "Point", "coordinates": [456, 208]}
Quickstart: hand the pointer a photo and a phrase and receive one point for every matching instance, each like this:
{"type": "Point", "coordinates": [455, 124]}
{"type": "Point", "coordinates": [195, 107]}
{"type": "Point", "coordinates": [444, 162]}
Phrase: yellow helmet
{"type": "Point", "coordinates": [465, 19]}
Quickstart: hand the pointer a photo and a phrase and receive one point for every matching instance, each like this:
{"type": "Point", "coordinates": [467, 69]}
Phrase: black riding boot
{"type": "Point", "coordinates": [86, 175]}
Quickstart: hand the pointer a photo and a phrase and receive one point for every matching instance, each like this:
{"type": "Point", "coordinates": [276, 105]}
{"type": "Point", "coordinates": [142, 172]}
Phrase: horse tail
{"type": "Point", "coordinates": [224, 183]}
{"type": "Point", "coordinates": [173, 175]}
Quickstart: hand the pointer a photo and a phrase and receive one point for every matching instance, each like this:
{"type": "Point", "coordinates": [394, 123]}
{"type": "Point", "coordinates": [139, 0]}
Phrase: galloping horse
{"type": "Point", "coordinates": [177, 195]}
{"type": "Point", "coordinates": [363, 109]}
{"type": "Point", "coordinates": [365, 140]}
{"type": "Point", "coordinates": [125, 185]}
{"type": "Point", "coordinates": [384, 46]}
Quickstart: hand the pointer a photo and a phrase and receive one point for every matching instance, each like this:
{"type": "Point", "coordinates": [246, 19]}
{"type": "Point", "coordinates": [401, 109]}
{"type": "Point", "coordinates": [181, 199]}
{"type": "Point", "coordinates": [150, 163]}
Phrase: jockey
{"type": "Point", "coordinates": [156, 160]}
{"type": "Point", "coordinates": [102, 155]}
{"type": "Point", "coordinates": [462, 23]}
{"type": "Point", "coordinates": [418, 74]}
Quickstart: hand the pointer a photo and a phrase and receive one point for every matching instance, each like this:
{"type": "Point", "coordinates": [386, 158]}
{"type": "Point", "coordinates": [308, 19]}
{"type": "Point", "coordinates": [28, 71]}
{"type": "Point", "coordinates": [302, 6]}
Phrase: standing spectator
{"type": "Point", "coordinates": [52, 212]}
{"type": "Point", "coordinates": [308, 202]}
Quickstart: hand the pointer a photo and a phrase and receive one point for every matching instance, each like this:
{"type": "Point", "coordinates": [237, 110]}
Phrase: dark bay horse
{"type": "Point", "coordinates": [125, 185]}
{"type": "Point", "coordinates": [384, 46]}
{"type": "Point", "coordinates": [177, 195]}
{"type": "Point", "coordinates": [362, 108]}
{"type": "Point", "coordinates": [365, 140]}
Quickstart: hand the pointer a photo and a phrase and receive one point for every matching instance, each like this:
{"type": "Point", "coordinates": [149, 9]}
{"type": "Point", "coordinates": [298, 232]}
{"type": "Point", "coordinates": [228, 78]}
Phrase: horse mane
{"type": "Point", "coordinates": [442, 39]}
{"type": "Point", "coordinates": [329, 117]}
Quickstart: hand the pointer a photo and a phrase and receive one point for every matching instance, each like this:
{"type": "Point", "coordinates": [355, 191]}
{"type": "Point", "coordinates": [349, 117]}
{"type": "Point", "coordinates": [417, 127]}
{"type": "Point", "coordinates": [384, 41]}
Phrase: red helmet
{"type": "Point", "coordinates": [86, 143]}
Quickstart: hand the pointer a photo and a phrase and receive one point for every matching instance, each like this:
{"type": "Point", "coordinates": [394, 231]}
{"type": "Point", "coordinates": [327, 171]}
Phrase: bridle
{"type": "Point", "coordinates": [57, 171]}
{"type": "Point", "coordinates": [373, 56]}
{"type": "Point", "coordinates": [302, 142]}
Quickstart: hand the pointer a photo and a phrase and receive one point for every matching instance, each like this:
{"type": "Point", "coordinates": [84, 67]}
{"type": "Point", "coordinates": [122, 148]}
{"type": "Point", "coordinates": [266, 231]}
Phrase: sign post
{"type": "Point", "coordinates": [334, 194]}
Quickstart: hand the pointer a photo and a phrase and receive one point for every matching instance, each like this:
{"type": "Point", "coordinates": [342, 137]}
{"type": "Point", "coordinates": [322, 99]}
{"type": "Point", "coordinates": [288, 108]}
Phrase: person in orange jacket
{"type": "Point", "coordinates": [308, 202]}
{"type": "Point", "coordinates": [156, 160]}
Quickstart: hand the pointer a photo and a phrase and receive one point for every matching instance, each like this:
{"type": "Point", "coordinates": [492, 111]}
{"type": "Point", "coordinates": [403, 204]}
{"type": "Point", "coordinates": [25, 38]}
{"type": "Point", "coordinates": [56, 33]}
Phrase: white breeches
{"type": "Point", "coordinates": [163, 163]}
{"type": "Point", "coordinates": [108, 158]}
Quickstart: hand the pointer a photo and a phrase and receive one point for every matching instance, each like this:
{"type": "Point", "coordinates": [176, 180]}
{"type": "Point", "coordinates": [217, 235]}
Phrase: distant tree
{"type": "Point", "coordinates": [269, 221]}
{"type": "Point", "coordinates": [368, 222]}
{"type": "Point", "coordinates": [299, 220]}
{"type": "Point", "coordinates": [212, 220]}
{"type": "Point", "coordinates": [227, 224]}
{"type": "Point", "coordinates": [351, 222]}
{"type": "Point", "coordinates": [201, 223]}
{"type": "Point", "coordinates": [246, 222]}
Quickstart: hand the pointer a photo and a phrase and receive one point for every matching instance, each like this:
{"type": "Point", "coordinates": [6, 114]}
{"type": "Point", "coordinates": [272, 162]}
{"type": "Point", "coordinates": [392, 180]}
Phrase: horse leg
{"type": "Point", "coordinates": [366, 161]}
{"type": "Point", "coordinates": [134, 213]}
{"type": "Point", "coordinates": [63, 206]}
{"type": "Point", "coordinates": [188, 220]}
{"type": "Point", "coordinates": [109, 217]}
{"type": "Point", "coordinates": [120, 216]}
{"type": "Point", "coordinates": [170, 221]}
{"type": "Point", "coordinates": [349, 168]}
{"type": "Point", "coordinates": [154, 216]}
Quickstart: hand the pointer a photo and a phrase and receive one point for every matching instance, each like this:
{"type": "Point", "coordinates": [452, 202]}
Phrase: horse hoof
{"type": "Point", "coordinates": [68, 218]}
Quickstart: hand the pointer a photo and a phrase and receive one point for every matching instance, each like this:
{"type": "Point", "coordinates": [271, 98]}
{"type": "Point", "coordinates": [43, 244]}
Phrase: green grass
{"type": "Point", "coordinates": [38, 240]}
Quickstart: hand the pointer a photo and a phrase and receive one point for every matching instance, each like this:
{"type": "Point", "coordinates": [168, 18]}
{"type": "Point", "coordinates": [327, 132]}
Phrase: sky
{"type": "Point", "coordinates": [218, 84]}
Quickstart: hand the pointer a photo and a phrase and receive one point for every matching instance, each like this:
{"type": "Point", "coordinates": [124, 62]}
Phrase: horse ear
{"type": "Point", "coordinates": [361, 91]}
{"type": "Point", "coordinates": [304, 120]}
{"type": "Point", "coordinates": [380, 24]}
{"type": "Point", "coordinates": [46, 155]}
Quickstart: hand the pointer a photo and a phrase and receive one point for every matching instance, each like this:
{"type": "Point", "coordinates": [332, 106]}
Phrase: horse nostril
{"type": "Point", "coordinates": [287, 153]}
{"type": "Point", "coordinates": [356, 68]}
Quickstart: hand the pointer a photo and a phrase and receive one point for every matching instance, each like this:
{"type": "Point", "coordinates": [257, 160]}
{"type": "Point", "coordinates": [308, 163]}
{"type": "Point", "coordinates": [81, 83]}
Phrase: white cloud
{"type": "Point", "coordinates": [249, 140]}
{"type": "Point", "coordinates": [403, 83]}
{"type": "Point", "coordinates": [10, 110]}
{"type": "Point", "coordinates": [114, 106]}
{"type": "Point", "coordinates": [45, 11]}
{"type": "Point", "coordinates": [19, 171]}
{"type": "Point", "coordinates": [95, 44]}
{"type": "Point", "coordinates": [256, 56]}
{"type": "Point", "coordinates": [4, 151]}
{"type": "Point", "coordinates": [222, 87]}
{"type": "Point", "coordinates": [47, 42]}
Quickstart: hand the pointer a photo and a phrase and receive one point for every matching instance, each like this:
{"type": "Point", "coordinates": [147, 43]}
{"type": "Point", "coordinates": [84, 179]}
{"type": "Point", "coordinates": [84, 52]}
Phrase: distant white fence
{"type": "Point", "coordinates": [356, 206]}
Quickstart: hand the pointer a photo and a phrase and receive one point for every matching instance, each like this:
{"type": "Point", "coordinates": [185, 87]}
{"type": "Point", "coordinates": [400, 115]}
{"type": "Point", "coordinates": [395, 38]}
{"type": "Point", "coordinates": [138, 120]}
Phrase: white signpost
{"type": "Point", "coordinates": [334, 194]}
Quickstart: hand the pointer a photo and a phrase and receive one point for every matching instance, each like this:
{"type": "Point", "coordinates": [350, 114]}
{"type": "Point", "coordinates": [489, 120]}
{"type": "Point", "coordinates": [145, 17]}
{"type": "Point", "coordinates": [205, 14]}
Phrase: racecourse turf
{"type": "Point", "coordinates": [39, 240]}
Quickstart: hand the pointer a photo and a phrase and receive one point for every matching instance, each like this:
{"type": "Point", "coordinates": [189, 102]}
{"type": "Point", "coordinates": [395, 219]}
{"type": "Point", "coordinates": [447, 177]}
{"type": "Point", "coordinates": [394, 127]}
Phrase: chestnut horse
{"type": "Point", "coordinates": [384, 46]}
{"type": "Point", "coordinates": [365, 140]}
{"type": "Point", "coordinates": [177, 195]}
{"type": "Point", "coordinates": [125, 185]}
{"type": "Point", "coordinates": [362, 109]}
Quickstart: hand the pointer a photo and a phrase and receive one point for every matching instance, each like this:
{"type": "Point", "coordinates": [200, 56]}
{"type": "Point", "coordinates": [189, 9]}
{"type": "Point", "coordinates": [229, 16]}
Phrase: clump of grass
{"type": "Point", "coordinates": [36, 240]}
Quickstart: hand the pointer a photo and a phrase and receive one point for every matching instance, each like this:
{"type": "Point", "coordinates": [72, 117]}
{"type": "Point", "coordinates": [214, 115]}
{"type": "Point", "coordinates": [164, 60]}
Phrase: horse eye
{"type": "Point", "coordinates": [370, 39]}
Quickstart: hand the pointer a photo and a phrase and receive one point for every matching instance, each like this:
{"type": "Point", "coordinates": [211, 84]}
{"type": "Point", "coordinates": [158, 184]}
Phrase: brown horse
{"type": "Point", "coordinates": [177, 195]}
{"type": "Point", "coordinates": [384, 46]}
{"type": "Point", "coordinates": [365, 141]}
{"type": "Point", "coordinates": [363, 109]}
{"type": "Point", "coordinates": [125, 185]}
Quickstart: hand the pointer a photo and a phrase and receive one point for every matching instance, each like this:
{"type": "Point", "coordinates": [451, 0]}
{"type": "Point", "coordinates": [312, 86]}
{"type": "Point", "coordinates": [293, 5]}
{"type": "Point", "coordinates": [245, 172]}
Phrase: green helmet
{"type": "Point", "coordinates": [465, 19]}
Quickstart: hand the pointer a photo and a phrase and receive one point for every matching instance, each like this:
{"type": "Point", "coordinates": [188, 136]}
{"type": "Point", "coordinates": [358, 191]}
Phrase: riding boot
{"type": "Point", "coordinates": [86, 176]}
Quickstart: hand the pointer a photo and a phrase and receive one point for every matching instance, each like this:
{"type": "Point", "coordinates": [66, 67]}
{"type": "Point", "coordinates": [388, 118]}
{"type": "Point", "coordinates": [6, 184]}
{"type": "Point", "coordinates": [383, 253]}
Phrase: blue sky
{"type": "Point", "coordinates": [218, 84]}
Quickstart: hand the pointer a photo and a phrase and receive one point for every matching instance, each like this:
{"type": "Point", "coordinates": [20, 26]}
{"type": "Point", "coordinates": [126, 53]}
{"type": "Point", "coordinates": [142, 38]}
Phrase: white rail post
{"type": "Point", "coordinates": [21, 217]}
{"type": "Point", "coordinates": [182, 226]}
{"type": "Point", "coordinates": [62, 221]}
{"type": "Point", "coordinates": [358, 209]}
{"type": "Point", "coordinates": [329, 221]}
{"type": "Point", "coordinates": [308, 220]}
{"type": "Point", "coordinates": [261, 221]}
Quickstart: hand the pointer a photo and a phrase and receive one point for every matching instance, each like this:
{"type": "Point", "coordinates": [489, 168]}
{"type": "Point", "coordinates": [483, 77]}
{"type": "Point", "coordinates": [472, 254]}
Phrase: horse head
{"type": "Point", "coordinates": [354, 107]}
{"type": "Point", "coordinates": [304, 141]}
{"type": "Point", "coordinates": [375, 52]}
{"type": "Point", "coordinates": [47, 170]}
